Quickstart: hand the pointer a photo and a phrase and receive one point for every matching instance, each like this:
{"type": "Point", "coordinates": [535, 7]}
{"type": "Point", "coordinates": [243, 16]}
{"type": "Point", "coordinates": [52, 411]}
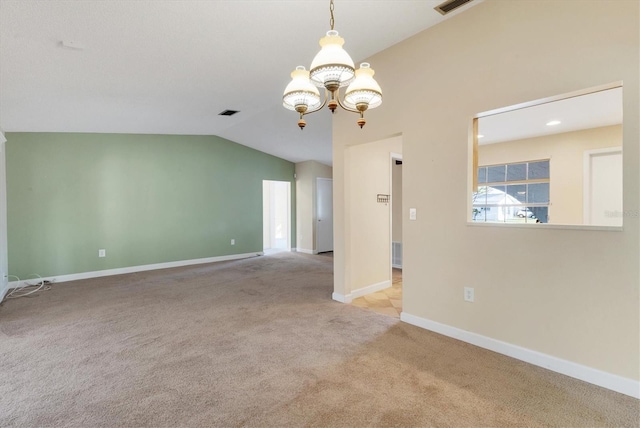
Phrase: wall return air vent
{"type": "Point", "coordinates": [450, 6]}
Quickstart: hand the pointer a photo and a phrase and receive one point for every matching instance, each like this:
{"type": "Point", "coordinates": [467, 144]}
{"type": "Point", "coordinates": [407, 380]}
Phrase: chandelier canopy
{"type": "Point", "coordinates": [332, 69]}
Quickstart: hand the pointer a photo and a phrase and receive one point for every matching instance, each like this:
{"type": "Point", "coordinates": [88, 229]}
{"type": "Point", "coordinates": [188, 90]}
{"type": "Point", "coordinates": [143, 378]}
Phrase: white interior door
{"type": "Point", "coordinates": [276, 199]}
{"type": "Point", "coordinates": [324, 215]}
{"type": "Point", "coordinates": [4, 268]}
{"type": "Point", "coordinates": [603, 187]}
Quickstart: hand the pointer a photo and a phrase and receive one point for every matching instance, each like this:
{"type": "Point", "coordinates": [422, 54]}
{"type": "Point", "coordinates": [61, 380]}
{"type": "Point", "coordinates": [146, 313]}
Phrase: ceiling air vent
{"type": "Point", "coordinates": [450, 6]}
{"type": "Point", "coordinates": [228, 113]}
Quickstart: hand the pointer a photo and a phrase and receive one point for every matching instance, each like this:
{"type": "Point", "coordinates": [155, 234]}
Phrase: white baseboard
{"type": "Point", "coordinates": [397, 266]}
{"type": "Point", "coordinates": [597, 377]}
{"type": "Point", "coordinates": [304, 250]}
{"type": "Point", "coordinates": [348, 298]}
{"type": "Point", "coordinates": [341, 298]}
{"type": "Point", "coordinates": [133, 269]}
{"type": "Point", "coordinates": [4, 292]}
{"type": "Point", "coordinates": [370, 289]}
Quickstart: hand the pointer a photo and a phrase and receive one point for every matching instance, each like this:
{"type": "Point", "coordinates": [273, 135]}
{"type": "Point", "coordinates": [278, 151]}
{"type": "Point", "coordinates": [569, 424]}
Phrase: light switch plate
{"type": "Point", "coordinates": [469, 294]}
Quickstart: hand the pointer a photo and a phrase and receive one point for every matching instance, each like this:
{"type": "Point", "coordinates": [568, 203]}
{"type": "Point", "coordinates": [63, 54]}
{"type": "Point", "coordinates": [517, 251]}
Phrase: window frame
{"type": "Point", "coordinates": [506, 182]}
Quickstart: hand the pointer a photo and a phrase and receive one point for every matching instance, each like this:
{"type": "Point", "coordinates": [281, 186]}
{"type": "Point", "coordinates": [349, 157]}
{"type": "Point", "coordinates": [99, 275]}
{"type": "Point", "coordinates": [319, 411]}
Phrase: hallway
{"type": "Point", "coordinates": [387, 301]}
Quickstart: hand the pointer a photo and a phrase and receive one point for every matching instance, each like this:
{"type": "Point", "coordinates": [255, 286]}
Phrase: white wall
{"type": "Point", "coordinates": [569, 294]}
{"type": "Point", "coordinates": [306, 213]}
{"type": "Point", "coordinates": [4, 268]}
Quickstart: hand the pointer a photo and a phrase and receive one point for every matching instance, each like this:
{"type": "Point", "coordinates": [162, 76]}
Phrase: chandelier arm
{"type": "Point", "coordinates": [344, 107]}
{"type": "Point", "coordinates": [321, 106]}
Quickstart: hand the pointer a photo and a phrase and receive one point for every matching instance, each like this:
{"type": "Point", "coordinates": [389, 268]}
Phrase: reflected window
{"type": "Point", "coordinates": [512, 193]}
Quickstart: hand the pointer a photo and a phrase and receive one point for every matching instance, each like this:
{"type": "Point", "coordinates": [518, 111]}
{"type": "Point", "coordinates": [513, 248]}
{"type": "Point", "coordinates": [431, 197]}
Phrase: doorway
{"type": "Point", "coordinates": [396, 211]}
{"type": "Point", "coordinates": [389, 300]}
{"type": "Point", "coordinates": [324, 215]}
{"type": "Point", "coordinates": [276, 206]}
{"type": "Point", "coordinates": [603, 187]}
{"type": "Point", "coordinates": [395, 293]}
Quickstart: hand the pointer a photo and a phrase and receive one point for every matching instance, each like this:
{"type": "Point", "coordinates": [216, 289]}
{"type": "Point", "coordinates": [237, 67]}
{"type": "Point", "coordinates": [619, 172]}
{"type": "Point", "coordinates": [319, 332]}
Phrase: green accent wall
{"type": "Point", "coordinates": [144, 198]}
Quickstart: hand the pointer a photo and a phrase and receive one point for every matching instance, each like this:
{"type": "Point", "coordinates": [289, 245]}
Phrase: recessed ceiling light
{"type": "Point", "coordinates": [480, 136]}
{"type": "Point", "coordinates": [554, 123]}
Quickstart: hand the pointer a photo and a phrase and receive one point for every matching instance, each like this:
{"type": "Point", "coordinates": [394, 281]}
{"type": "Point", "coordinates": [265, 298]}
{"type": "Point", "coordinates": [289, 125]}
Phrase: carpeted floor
{"type": "Point", "coordinates": [259, 342]}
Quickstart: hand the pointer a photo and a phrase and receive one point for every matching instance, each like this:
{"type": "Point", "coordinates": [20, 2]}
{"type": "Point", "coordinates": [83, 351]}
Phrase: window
{"type": "Point", "coordinates": [512, 193]}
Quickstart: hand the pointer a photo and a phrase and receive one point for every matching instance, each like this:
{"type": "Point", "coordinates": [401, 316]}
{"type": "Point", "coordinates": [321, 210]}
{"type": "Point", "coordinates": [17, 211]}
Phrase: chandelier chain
{"type": "Point", "coordinates": [331, 21]}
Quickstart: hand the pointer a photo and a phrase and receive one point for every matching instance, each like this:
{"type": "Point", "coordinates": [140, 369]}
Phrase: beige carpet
{"type": "Point", "coordinates": [259, 343]}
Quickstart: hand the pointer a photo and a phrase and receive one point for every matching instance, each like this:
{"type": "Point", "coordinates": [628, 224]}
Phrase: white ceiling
{"type": "Point", "coordinates": [169, 67]}
{"type": "Point", "coordinates": [602, 108]}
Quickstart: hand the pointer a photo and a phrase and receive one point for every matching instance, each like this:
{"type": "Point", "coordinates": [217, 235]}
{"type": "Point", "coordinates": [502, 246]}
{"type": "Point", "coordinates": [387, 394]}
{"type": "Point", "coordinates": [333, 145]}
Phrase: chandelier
{"type": "Point", "coordinates": [331, 69]}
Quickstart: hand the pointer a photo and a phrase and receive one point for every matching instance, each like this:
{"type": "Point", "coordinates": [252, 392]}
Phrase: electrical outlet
{"type": "Point", "coordinates": [413, 214]}
{"type": "Point", "coordinates": [102, 253]}
{"type": "Point", "coordinates": [233, 242]}
{"type": "Point", "coordinates": [469, 294]}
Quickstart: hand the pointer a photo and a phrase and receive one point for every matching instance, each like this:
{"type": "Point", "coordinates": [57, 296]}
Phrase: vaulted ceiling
{"type": "Point", "coordinates": [169, 67]}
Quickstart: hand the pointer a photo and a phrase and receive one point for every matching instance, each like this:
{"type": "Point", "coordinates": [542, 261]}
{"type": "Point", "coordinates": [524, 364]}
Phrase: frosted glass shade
{"type": "Point", "coordinates": [364, 89]}
{"type": "Point", "coordinates": [332, 63]}
{"type": "Point", "coordinates": [300, 91]}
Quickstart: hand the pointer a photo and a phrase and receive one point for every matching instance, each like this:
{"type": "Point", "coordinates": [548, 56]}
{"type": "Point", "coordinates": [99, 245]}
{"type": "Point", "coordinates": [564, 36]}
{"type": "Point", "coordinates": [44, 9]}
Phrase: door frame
{"type": "Point", "coordinates": [392, 158]}
{"type": "Point", "coordinates": [4, 265]}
